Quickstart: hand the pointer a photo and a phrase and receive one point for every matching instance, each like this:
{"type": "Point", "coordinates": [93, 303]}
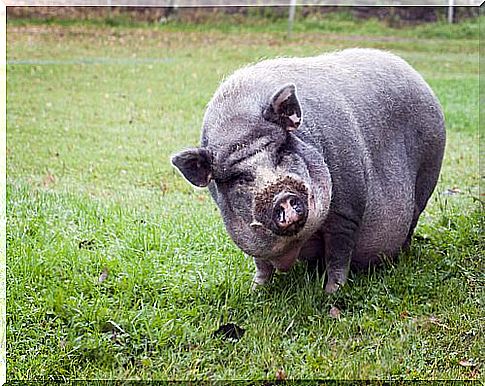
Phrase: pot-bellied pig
{"type": "Point", "coordinates": [328, 158]}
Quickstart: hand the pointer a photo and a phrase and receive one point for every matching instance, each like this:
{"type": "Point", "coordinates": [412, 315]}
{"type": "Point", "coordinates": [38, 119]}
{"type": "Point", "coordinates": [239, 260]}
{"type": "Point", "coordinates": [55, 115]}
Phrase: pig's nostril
{"type": "Point", "coordinates": [281, 215]}
{"type": "Point", "coordinates": [289, 212]}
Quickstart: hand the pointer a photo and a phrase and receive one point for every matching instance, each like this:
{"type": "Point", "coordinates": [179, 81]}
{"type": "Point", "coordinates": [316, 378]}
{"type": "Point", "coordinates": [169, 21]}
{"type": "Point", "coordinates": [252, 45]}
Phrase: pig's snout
{"type": "Point", "coordinates": [282, 207]}
{"type": "Point", "coordinates": [289, 213]}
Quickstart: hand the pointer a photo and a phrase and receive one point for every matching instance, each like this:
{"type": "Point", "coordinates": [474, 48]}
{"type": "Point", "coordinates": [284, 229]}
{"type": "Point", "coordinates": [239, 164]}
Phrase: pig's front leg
{"type": "Point", "coordinates": [337, 261]}
{"type": "Point", "coordinates": [339, 248]}
{"type": "Point", "coordinates": [264, 271]}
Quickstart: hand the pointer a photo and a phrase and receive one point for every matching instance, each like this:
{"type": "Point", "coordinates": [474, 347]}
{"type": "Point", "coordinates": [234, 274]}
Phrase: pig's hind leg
{"type": "Point", "coordinates": [425, 184]}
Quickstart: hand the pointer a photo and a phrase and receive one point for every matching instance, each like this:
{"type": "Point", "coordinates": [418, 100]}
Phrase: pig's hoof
{"type": "Point", "coordinates": [256, 285]}
{"type": "Point", "coordinates": [336, 278]}
{"type": "Point", "coordinates": [334, 282]}
{"type": "Point", "coordinates": [332, 287]}
{"type": "Point", "coordinates": [259, 281]}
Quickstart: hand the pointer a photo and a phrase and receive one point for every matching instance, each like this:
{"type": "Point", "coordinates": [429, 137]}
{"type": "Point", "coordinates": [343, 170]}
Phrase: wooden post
{"type": "Point", "coordinates": [291, 17]}
{"type": "Point", "coordinates": [450, 11]}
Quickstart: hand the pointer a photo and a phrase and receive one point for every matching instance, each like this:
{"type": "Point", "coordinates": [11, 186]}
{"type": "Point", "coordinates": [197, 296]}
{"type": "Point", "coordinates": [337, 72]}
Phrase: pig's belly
{"type": "Point", "coordinates": [386, 223]}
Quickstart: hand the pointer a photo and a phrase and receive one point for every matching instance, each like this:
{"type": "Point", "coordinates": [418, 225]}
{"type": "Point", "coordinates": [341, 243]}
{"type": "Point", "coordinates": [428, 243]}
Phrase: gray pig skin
{"type": "Point", "coordinates": [329, 158]}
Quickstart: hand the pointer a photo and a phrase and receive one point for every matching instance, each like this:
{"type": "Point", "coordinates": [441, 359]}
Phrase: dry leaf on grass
{"type": "Point", "coordinates": [87, 244]}
{"type": "Point", "coordinates": [334, 313]}
{"type": "Point", "coordinates": [103, 276]}
{"type": "Point", "coordinates": [280, 375]}
{"type": "Point", "coordinates": [48, 180]}
{"type": "Point", "coordinates": [437, 322]}
{"type": "Point", "coordinates": [230, 332]}
{"type": "Point", "coordinates": [467, 363]}
{"type": "Point", "coordinates": [474, 373]}
{"type": "Point", "coordinates": [452, 191]}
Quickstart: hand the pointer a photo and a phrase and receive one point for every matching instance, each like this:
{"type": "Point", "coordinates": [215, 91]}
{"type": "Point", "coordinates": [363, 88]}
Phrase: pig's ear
{"type": "Point", "coordinates": [284, 108]}
{"type": "Point", "coordinates": [195, 165]}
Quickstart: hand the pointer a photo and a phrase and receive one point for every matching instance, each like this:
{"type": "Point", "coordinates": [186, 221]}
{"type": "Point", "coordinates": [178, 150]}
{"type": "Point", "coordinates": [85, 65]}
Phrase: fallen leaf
{"type": "Point", "coordinates": [230, 331]}
{"type": "Point", "coordinates": [190, 347]}
{"type": "Point", "coordinates": [404, 314]}
{"type": "Point", "coordinates": [452, 191]}
{"type": "Point", "coordinates": [103, 275]}
{"type": "Point", "coordinates": [467, 363]}
{"type": "Point", "coordinates": [334, 312]}
{"type": "Point", "coordinates": [48, 180]}
{"type": "Point", "coordinates": [163, 187]}
{"type": "Point", "coordinates": [437, 322]}
{"type": "Point", "coordinates": [474, 373]}
{"type": "Point", "coordinates": [87, 244]}
{"type": "Point", "coordinates": [280, 375]}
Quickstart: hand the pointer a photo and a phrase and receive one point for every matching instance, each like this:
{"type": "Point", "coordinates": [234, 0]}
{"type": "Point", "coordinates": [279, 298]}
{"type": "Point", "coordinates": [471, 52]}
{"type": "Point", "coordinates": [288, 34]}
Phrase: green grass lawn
{"type": "Point", "coordinates": [117, 268]}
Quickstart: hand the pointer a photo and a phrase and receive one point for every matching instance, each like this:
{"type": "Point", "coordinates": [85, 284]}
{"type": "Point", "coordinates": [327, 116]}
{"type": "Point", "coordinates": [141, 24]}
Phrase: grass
{"type": "Point", "coordinates": [118, 269]}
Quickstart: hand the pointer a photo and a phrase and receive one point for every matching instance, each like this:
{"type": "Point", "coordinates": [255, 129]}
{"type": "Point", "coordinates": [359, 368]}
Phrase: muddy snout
{"type": "Point", "coordinates": [282, 207]}
{"type": "Point", "coordinates": [289, 213]}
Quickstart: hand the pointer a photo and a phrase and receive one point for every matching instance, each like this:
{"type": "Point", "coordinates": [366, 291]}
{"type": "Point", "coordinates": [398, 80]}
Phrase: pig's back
{"type": "Point", "coordinates": [369, 91]}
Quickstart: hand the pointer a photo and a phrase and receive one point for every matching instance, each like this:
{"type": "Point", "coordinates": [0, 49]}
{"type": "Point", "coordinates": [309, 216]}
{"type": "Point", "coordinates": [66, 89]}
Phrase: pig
{"type": "Point", "coordinates": [327, 159]}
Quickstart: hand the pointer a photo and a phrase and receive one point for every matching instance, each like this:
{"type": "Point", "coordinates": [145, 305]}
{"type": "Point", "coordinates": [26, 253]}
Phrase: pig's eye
{"type": "Point", "coordinates": [239, 178]}
{"type": "Point", "coordinates": [245, 178]}
{"type": "Point", "coordinates": [279, 154]}
{"type": "Point", "coordinates": [242, 179]}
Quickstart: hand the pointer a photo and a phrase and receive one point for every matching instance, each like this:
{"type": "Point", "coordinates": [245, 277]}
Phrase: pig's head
{"type": "Point", "coordinates": [272, 188]}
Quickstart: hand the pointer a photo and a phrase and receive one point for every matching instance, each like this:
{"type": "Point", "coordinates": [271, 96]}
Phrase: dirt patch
{"type": "Point", "coordinates": [175, 38]}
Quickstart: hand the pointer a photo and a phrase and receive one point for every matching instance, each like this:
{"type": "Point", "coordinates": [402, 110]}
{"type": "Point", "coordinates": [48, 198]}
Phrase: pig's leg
{"type": "Point", "coordinates": [407, 244]}
{"type": "Point", "coordinates": [339, 239]}
{"type": "Point", "coordinates": [425, 183]}
{"type": "Point", "coordinates": [337, 260]}
{"type": "Point", "coordinates": [264, 271]}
